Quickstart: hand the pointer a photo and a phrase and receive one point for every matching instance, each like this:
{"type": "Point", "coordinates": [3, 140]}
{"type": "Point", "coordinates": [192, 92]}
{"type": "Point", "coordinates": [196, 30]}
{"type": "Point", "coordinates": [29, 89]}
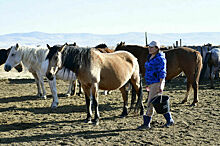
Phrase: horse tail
{"type": "Point", "coordinates": [198, 66]}
{"type": "Point", "coordinates": [205, 64]}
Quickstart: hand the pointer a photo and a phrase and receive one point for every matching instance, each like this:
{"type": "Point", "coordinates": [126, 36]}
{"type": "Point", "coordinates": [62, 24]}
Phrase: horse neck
{"type": "Point", "coordinates": [137, 51]}
{"type": "Point", "coordinates": [81, 58]}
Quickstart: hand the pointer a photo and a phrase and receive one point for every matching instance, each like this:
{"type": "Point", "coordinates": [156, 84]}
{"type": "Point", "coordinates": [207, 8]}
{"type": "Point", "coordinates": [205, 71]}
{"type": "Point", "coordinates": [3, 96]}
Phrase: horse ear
{"type": "Point", "coordinates": [66, 43]}
{"type": "Point", "coordinates": [48, 47]}
{"type": "Point", "coordinates": [123, 43]}
{"type": "Point", "coordinates": [17, 46]}
{"type": "Point", "coordinates": [74, 44]}
{"type": "Point", "coordinates": [62, 48]}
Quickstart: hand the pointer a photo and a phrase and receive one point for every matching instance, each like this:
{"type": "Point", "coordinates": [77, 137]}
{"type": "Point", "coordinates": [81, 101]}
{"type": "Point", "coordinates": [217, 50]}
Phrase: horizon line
{"type": "Point", "coordinates": [106, 33]}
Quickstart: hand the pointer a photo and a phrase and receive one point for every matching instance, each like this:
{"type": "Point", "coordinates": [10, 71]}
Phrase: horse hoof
{"type": "Point", "coordinates": [141, 113]}
{"type": "Point", "coordinates": [95, 122]}
{"type": "Point", "coordinates": [193, 104]}
{"type": "Point", "coordinates": [54, 105]}
{"type": "Point", "coordinates": [183, 102]}
{"type": "Point", "coordinates": [123, 115]}
{"type": "Point", "coordinates": [88, 120]}
{"type": "Point", "coordinates": [39, 95]}
{"type": "Point", "coordinates": [67, 95]}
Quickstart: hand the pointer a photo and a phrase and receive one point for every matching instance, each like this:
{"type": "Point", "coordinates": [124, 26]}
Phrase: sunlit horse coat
{"type": "Point", "coordinates": [34, 59]}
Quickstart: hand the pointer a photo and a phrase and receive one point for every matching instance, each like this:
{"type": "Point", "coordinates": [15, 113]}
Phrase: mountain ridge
{"type": "Point", "coordinates": [91, 39]}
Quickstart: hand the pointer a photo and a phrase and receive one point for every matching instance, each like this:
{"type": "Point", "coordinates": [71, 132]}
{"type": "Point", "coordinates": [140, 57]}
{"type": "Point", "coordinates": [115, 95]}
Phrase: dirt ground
{"type": "Point", "coordinates": [28, 120]}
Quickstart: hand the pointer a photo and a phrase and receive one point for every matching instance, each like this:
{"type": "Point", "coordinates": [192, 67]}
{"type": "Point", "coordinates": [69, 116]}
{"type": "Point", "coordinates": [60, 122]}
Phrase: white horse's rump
{"type": "Point", "coordinates": [34, 59]}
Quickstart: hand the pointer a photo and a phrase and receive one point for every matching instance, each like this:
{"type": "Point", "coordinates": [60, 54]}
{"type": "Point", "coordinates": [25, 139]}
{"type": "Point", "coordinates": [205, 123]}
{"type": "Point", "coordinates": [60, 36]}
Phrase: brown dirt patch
{"type": "Point", "coordinates": [28, 120]}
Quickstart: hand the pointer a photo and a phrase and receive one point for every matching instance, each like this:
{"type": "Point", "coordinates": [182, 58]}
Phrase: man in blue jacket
{"type": "Point", "coordinates": [155, 79]}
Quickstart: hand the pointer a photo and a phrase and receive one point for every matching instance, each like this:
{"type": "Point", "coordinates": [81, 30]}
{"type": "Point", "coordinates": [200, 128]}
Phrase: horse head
{"type": "Point", "coordinates": [119, 46]}
{"type": "Point", "coordinates": [14, 58]}
{"type": "Point", "coordinates": [55, 60]}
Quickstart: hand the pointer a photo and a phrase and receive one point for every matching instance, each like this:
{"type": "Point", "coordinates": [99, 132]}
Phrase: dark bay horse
{"type": "Point", "coordinates": [96, 70]}
{"type": "Point", "coordinates": [179, 60]}
{"type": "Point", "coordinates": [3, 57]}
{"type": "Point", "coordinates": [212, 59]}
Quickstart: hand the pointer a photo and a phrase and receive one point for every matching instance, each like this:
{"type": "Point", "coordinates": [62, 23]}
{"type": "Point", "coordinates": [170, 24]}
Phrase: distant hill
{"type": "Point", "coordinates": [87, 39]}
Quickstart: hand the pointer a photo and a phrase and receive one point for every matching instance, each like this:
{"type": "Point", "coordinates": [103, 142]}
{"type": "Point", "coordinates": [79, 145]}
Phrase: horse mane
{"type": "Point", "coordinates": [73, 57]}
{"type": "Point", "coordinates": [134, 49]}
{"type": "Point", "coordinates": [101, 46]}
{"type": "Point", "coordinates": [33, 55]}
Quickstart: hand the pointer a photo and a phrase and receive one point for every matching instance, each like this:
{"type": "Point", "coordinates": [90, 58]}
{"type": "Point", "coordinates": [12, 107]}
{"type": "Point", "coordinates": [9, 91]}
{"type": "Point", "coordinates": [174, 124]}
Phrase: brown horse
{"type": "Point", "coordinates": [96, 70]}
{"type": "Point", "coordinates": [179, 60]}
{"type": "Point", "coordinates": [3, 57]}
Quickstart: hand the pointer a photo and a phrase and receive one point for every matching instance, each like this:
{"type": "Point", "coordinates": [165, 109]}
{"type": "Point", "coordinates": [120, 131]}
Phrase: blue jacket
{"type": "Point", "coordinates": [155, 68]}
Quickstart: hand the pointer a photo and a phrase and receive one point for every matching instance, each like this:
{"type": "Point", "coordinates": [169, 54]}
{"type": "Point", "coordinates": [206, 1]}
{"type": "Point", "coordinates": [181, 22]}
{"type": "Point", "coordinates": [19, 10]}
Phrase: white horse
{"type": "Point", "coordinates": [34, 59]}
{"type": "Point", "coordinates": [212, 59]}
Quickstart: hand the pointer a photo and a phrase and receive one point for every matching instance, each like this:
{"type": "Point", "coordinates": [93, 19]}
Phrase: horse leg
{"type": "Point", "coordinates": [88, 105]}
{"type": "Point", "coordinates": [195, 88]}
{"type": "Point", "coordinates": [74, 86]}
{"type": "Point", "coordinates": [189, 85]}
{"type": "Point", "coordinates": [41, 80]}
{"type": "Point", "coordinates": [133, 96]}
{"type": "Point", "coordinates": [71, 89]}
{"type": "Point", "coordinates": [94, 96]}
{"type": "Point", "coordinates": [39, 93]}
{"type": "Point", "coordinates": [137, 84]}
{"type": "Point", "coordinates": [125, 99]}
{"type": "Point", "coordinates": [80, 89]}
{"type": "Point", "coordinates": [212, 75]}
{"type": "Point", "coordinates": [53, 89]}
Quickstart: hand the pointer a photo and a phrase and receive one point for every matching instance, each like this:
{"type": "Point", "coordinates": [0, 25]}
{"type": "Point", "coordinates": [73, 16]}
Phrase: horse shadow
{"type": "Point", "coordinates": [87, 134]}
{"type": "Point", "coordinates": [65, 109]}
{"type": "Point", "coordinates": [26, 98]}
{"type": "Point", "coordinates": [18, 99]}
{"type": "Point", "coordinates": [24, 126]}
{"type": "Point", "coordinates": [21, 81]}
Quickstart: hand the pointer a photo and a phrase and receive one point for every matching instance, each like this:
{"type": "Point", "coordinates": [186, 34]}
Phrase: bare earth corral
{"type": "Point", "coordinates": [28, 120]}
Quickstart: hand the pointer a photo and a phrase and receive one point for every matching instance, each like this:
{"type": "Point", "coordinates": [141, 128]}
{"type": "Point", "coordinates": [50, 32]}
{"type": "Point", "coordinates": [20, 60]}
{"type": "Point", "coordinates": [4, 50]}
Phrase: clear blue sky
{"type": "Point", "coordinates": [109, 16]}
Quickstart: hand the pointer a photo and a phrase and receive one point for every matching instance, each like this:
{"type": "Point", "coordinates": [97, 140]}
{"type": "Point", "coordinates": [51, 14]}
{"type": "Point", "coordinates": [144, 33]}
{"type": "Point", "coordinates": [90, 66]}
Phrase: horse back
{"type": "Point", "coordinates": [112, 70]}
{"type": "Point", "coordinates": [182, 59]}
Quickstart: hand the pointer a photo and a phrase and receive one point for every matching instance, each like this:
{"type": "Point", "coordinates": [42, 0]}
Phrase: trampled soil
{"type": "Point", "coordinates": [28, 120]}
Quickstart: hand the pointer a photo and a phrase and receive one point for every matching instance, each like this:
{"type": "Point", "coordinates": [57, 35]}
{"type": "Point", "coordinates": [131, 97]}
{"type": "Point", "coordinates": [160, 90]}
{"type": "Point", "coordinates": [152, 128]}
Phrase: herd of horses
{"type": "Point", "coordinates": [103, 68]}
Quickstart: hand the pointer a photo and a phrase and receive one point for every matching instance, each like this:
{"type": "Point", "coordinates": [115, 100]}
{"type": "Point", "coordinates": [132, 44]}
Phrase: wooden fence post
{"type": "Point", "coordinates": [146, 38]}
{"type": "Point", "coordinates": [176, 44]}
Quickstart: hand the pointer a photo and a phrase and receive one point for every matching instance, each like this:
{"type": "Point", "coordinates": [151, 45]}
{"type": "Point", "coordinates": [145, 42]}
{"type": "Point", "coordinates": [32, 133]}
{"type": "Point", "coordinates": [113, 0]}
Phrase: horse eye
{"type": "Point", "coordinates": [12, 54]}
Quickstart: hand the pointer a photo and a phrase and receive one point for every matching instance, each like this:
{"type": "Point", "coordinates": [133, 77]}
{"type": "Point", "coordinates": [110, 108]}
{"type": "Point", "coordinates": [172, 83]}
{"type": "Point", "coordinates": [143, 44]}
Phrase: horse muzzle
{"type": "Point", "coordinates": [7, 67]}
{"type": "Point", "coordinates": [49, 76]}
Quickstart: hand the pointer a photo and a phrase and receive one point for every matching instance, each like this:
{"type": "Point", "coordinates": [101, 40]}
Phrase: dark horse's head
{"type": "Point", "coordinates": [120, 46]}
{"type": "Point", "coordinates": [55, 60]}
